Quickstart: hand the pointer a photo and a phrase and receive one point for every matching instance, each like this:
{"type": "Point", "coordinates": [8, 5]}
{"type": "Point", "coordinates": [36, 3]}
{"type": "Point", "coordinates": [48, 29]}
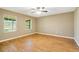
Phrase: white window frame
{"type": "Point", "coordinates": [30, 24]}
{"type": "Point", "coordinates": [4, 24]}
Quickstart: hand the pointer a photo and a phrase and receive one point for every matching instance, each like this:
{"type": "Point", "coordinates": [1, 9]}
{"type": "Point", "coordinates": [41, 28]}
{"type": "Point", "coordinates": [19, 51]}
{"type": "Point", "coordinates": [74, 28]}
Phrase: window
{"type": "Point", "coordinates": [28, 24]}
{"type": "Point", "coordinates": [9, 24]}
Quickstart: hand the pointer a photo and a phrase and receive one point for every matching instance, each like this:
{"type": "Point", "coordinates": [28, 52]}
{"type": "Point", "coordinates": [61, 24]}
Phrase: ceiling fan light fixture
{"type": "Point", "coordinates": [38, 12]}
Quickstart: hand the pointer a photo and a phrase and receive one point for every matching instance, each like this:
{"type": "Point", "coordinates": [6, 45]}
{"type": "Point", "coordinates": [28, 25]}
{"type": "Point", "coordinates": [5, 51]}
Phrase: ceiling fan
{"type": "Point", "coordinates": [39, 10]}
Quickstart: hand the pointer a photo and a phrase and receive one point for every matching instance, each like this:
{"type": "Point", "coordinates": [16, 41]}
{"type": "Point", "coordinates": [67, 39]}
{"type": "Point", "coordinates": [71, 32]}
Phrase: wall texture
{"type": "Point", "coordinates": [76, 26]}
{"type": "Point", "coordinates": [21, 30]}
{"type": "Point", "coordinates": [60, 24]}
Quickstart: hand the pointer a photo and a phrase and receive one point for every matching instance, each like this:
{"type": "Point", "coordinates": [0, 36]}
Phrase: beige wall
{"type": "Point", "coordinates": [60, 24]}
{"type": "Point", "coordinates": [21, 30]}
{"type": "Point", "coordinates": [76, 26]}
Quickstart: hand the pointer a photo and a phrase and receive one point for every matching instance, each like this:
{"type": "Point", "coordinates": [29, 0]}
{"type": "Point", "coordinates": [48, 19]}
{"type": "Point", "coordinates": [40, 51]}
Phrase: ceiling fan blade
{"type": "Point", "coordinates": [32, 12]}
{"type": "Point", "coordinates": [45, 11]}
{"type": "Point", "coordinates": [38, 7]}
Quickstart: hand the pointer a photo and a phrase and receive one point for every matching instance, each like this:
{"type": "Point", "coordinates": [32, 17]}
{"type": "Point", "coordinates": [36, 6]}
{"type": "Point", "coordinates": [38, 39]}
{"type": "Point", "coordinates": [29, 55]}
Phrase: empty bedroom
{"type": "Point", "coordinates": [39, 29]}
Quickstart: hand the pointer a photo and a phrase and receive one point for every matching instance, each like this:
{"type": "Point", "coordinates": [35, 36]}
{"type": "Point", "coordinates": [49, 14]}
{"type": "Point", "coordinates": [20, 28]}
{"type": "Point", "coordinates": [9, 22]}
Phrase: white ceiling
{"type": "Point", "coordinates": [51, 10]}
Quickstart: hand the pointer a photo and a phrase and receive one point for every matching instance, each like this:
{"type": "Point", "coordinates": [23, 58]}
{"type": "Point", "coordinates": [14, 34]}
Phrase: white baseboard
{"type": "Point", "coordinates": [34, 33]}
{"type": "Point", "coordinates": [77, 42]}
{"type": "Point", "coordinates": [56, 35]}
{"type": "Point", "coordinates": [16, 37]}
